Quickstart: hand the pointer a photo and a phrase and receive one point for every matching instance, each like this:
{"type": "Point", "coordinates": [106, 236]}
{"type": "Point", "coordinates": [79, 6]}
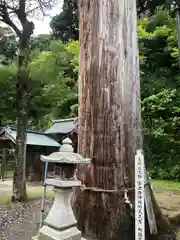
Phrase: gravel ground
{"type": "Point", "coordinates": [21, 221]}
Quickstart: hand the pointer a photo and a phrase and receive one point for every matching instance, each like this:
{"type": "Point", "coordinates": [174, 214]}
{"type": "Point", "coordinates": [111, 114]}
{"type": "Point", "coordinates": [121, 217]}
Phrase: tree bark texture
{"type": "Point", "coordinates": [109, 116]}
{"type": "Point", "coordinates": [22, 98]}
{"type": "Point", "coordinates": [19, 181]}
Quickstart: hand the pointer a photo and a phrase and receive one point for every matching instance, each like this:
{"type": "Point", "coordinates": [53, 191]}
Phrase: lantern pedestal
{"type": "Point", "coordinates": [60, 222]}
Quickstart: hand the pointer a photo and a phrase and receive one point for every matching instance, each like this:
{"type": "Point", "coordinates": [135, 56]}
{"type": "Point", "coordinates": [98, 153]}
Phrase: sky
{"type": "Point", "coordinates": [42, 26]}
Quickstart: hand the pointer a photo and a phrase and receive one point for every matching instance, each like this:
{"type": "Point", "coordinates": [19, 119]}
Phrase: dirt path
{"type": "Point", "coordinates": [170, 205]}
{"type": "Point", "coordinates": [6, 186]}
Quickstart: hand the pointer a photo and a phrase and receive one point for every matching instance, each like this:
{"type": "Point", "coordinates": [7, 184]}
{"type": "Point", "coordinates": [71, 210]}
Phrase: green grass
{"type": "Point", "coordinates": [33, 194]}
{"type": "Point", "coordinates": [9, 174]}
{"type": "Point", "coordinates": [36, 193]}
{"type": "Point", "coordinates": [165, 186]}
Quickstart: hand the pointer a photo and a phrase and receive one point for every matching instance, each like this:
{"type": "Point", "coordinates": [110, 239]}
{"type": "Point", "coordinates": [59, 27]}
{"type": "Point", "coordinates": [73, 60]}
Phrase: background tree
{"type": "Point", "coordinates": [54, 89]}
{"type": "Point", "coordinates": [40, 42]}
{"type": "Point", "coordinates": [65, 25]}
{"type": "Point", "coordinates": [21, 10]}
{"type": "Point", "coordinates": [54, 67]}
{"type": "Point", "coordinates": [149, 6]}
{"type": "Point", "coordinates": [8, 75]}
{"type": "Point", "coordinates": [8, 45]}
{"type": "Point", "coordinates": [160, 93]}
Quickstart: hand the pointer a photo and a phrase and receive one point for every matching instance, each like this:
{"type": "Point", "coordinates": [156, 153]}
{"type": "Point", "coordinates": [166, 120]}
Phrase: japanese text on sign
{"type": "Point", "coordinates": [139, 197]}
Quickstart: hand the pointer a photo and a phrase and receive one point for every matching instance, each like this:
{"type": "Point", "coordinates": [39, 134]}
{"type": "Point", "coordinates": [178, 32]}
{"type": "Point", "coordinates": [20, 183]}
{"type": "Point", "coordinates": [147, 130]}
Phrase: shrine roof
{"type": "Point", "coordinates": [62, 126]}
{"type": "Point", "coordinates": [33, 137]}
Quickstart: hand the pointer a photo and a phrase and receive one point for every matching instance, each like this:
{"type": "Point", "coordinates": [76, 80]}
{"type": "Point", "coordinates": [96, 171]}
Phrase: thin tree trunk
{"type": "Point", "coordinates": [109, 116]}
{"type": "Point", "coordinates": [4, 160]}
{"type": "Point", "coordinates": [22, 100]}
{"type": "Point", "coordinates": [19, 181]}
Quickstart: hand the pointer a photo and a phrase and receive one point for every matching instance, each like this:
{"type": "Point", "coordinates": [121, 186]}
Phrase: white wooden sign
{"type": "Point", "coordinates": [139, 197]}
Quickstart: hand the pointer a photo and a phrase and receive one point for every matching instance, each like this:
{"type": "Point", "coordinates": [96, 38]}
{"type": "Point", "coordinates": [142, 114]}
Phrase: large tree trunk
{"type": "Point", "coordinates": [109, 117]}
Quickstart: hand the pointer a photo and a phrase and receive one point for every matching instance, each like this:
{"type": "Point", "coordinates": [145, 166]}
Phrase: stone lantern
{"type": "Point", "coordinates": [60, 223]}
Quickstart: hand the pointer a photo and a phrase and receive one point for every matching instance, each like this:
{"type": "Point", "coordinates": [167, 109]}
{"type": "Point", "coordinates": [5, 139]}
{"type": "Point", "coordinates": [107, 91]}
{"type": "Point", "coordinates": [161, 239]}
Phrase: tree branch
{"type": "Point", "coordinates": [13, 9]}
{"type": "Point", "coordinates": [21, 8]}
{"type": "Point", "coordinates": [6, 19]}
{"type": "Point", "coordinates": [13, 26]}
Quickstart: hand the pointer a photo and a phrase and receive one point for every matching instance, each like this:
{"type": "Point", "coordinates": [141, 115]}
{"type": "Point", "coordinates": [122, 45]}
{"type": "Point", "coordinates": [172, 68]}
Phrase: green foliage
{"type": "Point", "coordinates": [8, 45]}
{"type": "Point", "coordinates": [40, 42]}
{"type": "Point", "coordinates": [7, 97]}
{"type": "Point", "coordinates": [55, 91]}
{"type": "Point", "coordinates": [160, 91]}
{"type": "Point", "coordinates": [54, 69]}
{"type": "Point", "coordinates": [73, 49]}
{"type": "Point", "coordinates": [52, 92]}
{"type": "Point", "coordinates": [151, 5]}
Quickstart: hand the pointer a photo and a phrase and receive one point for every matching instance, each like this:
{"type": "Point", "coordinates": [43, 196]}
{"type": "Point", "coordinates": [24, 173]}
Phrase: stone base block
{"type": "Point", "coordinates": [47, 233]}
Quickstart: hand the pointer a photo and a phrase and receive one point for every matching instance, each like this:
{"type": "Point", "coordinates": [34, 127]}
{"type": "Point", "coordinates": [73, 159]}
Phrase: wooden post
{"type": "Point", "coordinates": [149, 204]}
